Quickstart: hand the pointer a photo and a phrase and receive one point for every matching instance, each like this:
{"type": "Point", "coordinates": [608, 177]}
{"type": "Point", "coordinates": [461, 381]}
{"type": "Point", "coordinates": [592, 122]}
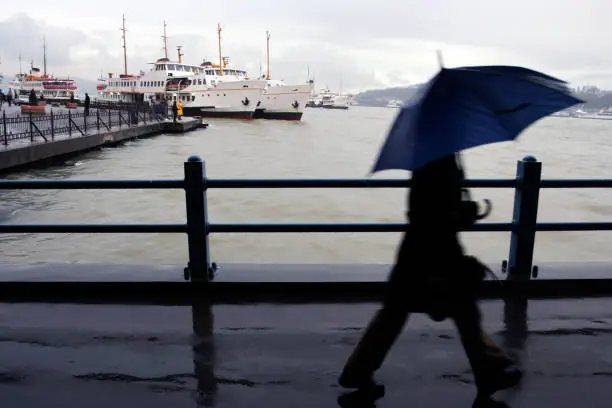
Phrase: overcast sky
{"type": "Point", "coordinates": [355, 44]}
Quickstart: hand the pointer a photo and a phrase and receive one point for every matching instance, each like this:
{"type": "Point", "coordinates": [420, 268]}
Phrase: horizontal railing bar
{"type": "Point", "coordinates": [577, 183]}
{"type": "Point", "coordinates": [94, 228]}
{"type": "Point", "coordinates": [283, 228]}
{"type": "Point", "coordinates": [574, 226]}
{"type": "Point", "coordinates": [276, 183]}
{"type": "Point", "coordinates": [292, 228]}
{"type": "Point", "coordinates": [342, 183]}
{"type": "Point", "coordinates": [90, 184]}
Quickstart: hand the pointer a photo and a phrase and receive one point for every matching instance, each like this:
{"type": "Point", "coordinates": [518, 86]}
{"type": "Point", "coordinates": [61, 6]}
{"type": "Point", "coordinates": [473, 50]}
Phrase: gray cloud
{"type": "Point", "coordinates": [361, 44]}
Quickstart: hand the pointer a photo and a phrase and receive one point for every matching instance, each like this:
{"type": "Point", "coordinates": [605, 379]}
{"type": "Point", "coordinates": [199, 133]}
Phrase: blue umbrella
{"type": "Point", "coordinates": [467, 107]}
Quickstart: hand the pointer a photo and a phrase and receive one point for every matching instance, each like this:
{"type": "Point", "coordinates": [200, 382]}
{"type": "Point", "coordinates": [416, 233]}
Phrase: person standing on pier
{"type": "Point", "coordinates": [179, 110]}
{"type": "Point", "coordinates": [33, 99]}
{"type": "Point", "coordinates": [174, 111]}
{"type": "Point", "coordinates": [87, 102]}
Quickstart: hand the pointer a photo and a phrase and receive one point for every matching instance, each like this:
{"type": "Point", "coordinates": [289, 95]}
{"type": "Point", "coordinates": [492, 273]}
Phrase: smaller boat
{"type": "Point", "coordinates": [46, 87]}
{"type": "Point", "coordinates": [330, 100]}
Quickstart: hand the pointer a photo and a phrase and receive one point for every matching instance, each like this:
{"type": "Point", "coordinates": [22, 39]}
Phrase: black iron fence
{"type": "Point", "coordinates": [47, 126]}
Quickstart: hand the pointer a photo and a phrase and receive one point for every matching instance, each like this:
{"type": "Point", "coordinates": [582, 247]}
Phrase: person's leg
{"type": "Point", "coordinates": [493, 369]}
{"type": "Point", "coordinates": [376, 342]}
{"type": "Point", "coordinates": [383, 330]}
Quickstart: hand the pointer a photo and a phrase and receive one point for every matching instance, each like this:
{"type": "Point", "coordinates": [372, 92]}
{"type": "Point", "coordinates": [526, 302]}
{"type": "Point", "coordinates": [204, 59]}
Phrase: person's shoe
{"type": "Point", "coordinates": [362, 397]}
{"type": "Point", "coordinates": [357, 381]}
{"type": "Point", "coordinates": [499, 379]}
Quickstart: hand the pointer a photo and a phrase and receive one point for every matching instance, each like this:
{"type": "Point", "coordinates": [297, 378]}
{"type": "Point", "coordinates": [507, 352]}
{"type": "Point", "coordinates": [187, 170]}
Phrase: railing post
{"type": "Point", "coordinates": [4, 127]}
{"type": "Point", "coordinates": [69, 123]}
{"type": "Point", "coordinates": [84, 123]}
{"type": "Point", "coordinates": [524, 219]}
{"type": "Point", "coordinates": [31, 127]}
{"type": "Point", "coordinates": [197, 224]}
{"type": "Point", "coordinates": [52, 126]}
{"type": "Point", "coordinates": [110, 124]}
{"type": "Point", "coordinates": [98, 119]}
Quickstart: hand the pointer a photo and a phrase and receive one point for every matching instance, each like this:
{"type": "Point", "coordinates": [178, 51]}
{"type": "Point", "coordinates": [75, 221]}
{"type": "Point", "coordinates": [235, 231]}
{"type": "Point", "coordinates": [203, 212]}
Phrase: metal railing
{"type": "Point", "coordinates": [101, 117]}
{"type": "Point", "coordinates": [198, 227]}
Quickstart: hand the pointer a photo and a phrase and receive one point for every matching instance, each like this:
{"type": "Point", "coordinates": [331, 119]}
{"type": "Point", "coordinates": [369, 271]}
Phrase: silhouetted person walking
{"type": "Point", "coordinates": [174, 111]}
{"type": "Point", "coordinates": [431, 252]}
{"type": "Point", "coordinates": [87, 103]}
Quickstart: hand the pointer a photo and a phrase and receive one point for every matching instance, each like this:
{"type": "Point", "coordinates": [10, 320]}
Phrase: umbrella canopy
{"type": "Point", "coordinates": [467, 107]}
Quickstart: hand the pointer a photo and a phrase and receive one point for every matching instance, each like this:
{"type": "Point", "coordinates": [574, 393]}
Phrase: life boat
{"type": "Point", "coordinates": [40, 109]}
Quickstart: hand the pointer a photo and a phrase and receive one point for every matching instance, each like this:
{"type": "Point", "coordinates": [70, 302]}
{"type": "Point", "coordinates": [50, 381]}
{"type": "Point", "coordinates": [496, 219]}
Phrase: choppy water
{"type": "Point", "coordinates": [326, 144]}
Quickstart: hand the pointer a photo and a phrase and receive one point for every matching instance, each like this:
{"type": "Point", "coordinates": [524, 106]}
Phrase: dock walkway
{"type": "Point", "coordinates": [25, 140]}
{"type": "Point", "coordinates": [285, 356]}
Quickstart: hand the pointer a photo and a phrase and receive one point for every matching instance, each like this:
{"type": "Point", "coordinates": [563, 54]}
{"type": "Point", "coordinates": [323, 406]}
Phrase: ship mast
{"type": "Point", "coordinates": [268, 53]}
{"type": "Point", "coordinates": [20, 69]}
{"type": "Point", "coordinates": [123, 30]}
{"type": "Point", "coordinates": [220, 55]}
{"type": "Point", "coordinates": [180, 56]}
{"type": "Point", "coordinates": [165, 37]}
{"type": "Point", "coordinates": [44, 57]}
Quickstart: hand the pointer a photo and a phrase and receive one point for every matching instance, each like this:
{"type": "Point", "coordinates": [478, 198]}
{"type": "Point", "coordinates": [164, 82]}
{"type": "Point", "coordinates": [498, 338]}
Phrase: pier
{"type": "Point", "coordinates": [35, 138]}
{"type": "Point", "coordinates": [204, 334]}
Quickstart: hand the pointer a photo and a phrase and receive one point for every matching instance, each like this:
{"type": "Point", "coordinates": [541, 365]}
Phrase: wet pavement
{"type": "Point", "coordinates": [287, 356]}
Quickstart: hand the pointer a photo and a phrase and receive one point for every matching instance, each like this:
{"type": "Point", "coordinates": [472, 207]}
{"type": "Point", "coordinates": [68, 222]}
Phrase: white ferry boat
{"type": "Point", "coordinates": [45, 86]}
{"type": "Point", "coordinates": [206, 90]}
{"type": "Point", "coordinates": [280, 100]}
{"type": "Point", "coordinates": [213, 91]}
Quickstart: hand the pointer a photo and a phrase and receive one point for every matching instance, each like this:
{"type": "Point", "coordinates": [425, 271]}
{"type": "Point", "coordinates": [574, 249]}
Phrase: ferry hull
{"type": "Point", "coordinates": [264, 114]}
{"type": "Point", "coordinates": [227, 114]}
{"type": "Point", "coordinates": [283, 101]}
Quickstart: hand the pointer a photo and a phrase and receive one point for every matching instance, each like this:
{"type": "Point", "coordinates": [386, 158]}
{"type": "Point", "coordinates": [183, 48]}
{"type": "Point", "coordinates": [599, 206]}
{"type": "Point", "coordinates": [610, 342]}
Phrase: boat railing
{"type": "Point", "coordinates": [198, 227]}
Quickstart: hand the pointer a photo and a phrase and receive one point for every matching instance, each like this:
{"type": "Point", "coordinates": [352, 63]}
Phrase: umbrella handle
{"type": "Point", "coordinates": [488, 208]}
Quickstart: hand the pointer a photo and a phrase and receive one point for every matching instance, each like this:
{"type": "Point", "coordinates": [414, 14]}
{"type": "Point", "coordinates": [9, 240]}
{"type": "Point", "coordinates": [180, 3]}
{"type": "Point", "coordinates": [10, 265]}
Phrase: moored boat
{"type": "Point", "coordinates": [46, 87]}
{"type": "Point", "coordinates": [280, 100]}
{"type": "Point", "coordinates": [205, 90]}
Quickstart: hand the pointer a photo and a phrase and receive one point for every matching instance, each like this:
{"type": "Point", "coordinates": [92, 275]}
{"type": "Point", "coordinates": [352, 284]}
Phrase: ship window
{"type": "Point", "coordinates": [192, 98]}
